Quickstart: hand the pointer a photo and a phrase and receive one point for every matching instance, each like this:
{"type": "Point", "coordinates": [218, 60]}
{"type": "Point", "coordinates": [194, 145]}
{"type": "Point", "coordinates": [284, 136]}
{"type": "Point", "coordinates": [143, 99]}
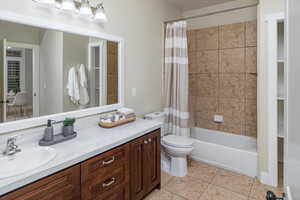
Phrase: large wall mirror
{"type": "Point", "coordinates": [45, 72]}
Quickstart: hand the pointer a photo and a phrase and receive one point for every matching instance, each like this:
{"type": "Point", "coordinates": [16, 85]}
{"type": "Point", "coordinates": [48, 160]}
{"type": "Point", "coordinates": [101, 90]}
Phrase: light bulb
{"type": "Point", "coordinates": [68, 5]}
{"type": "Point", "coordinates": [58, 5]}
{"type": "Point", "coordinates": [45, 2]}
{"type": "Point", "coordinates": [100, 15]}
{"type": "Point", "coordinates": [85, 9]}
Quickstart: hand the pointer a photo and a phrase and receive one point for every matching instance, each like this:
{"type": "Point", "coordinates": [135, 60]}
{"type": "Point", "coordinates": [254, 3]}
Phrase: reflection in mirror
{"type": "Point", "coordinates": [45, 72]}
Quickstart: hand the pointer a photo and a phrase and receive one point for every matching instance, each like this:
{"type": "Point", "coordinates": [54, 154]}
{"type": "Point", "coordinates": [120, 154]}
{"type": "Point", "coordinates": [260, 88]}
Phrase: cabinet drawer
{"type": "Point", "coordinates": [64, 185]}
{"type": "Point", "coordinates": [103, 185]}
{"type": "Point", "coordinates": [120, 193]}
{"type": "Point", "coordinates": [106, 163]}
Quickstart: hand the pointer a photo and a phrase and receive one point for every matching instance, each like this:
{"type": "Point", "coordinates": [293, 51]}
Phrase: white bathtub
{"type": "Point", "coordinates": [228, 151]}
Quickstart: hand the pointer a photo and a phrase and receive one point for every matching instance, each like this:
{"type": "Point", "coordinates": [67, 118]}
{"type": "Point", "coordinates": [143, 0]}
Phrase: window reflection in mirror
{"type": "Point", "coordinates": [45, 72]}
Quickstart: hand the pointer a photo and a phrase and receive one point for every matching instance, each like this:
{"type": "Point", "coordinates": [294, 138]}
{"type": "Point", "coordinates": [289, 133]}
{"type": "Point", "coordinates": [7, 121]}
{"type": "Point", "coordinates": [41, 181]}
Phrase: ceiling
{"type": "Point", "coordinates": [186, 5]}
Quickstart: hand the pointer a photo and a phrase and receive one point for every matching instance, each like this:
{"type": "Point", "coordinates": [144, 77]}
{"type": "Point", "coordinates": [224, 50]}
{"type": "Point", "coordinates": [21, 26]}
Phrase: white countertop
{"type": "Point", "coordinates": [90, 142]}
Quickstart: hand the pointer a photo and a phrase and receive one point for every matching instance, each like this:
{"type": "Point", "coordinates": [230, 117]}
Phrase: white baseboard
{"type": "Point", "coordinates": [288, 193]}
{"type": "Point", "coordinates": [267, 179]}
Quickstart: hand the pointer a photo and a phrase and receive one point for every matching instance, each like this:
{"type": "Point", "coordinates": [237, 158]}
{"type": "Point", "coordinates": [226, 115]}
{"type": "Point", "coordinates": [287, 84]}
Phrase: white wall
{"type": "Point", "coordinates": [242, 15]}
{"type": "Point", "coordinates": [140, 22]}
{"type": "Point", "coordinates": [292, 161]}
{"type": "Point", "coordinates": [51, 73]}
{"type": "Point", "coordinates": [265, 8]}
{"type": "Point", "coordinates": [75, 52]}
{"type": "Point", "coordinates": [19, 33]}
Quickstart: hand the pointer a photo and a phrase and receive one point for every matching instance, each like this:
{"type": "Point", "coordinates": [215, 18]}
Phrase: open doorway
{"type": "Point", "coordinates": [97, 68]}
{"type": "Point", "coordinates": [103, 67]}
{"type": "Point", "coordinates": [20, 77]}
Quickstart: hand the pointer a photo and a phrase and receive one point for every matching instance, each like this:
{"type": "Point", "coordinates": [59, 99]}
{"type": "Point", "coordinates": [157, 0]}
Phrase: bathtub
{"type": "Point", "coordinates": [228, 151]}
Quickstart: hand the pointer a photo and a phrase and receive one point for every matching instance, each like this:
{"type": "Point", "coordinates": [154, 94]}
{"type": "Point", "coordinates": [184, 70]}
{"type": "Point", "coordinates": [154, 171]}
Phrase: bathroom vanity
{"type": "Point", "coordinates": [123, 164]}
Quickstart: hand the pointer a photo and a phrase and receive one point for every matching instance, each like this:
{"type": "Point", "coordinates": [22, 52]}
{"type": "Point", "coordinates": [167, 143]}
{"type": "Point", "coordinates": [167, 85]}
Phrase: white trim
{"type": "Point", "coordinates": [288, 193]}
{"type": "Point", "coordinates": [276, 16]}
{"type": "Point", "coordinates": [103, 73]}
{"type": "Point", "coordinates": [43, 23]}
{"type": "Point", "coordinates": [271, 176]}
{"type": "Point", "coordinates": [264, 177]}
{"type": "Point", "coordinates": [4, 97]}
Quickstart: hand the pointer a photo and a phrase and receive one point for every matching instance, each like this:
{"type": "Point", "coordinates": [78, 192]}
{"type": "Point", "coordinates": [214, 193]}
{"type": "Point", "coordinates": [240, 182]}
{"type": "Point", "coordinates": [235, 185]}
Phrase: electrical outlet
{"type": "Point", "coordinates": [219, 118]}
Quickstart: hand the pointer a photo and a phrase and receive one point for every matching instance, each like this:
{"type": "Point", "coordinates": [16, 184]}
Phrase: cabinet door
{"type": "Point", "coordinates": [137, 169]}
{"type": "Point", "coordinates": [64, 185]}
{"type": "Point", "coordinates": [152, 160]}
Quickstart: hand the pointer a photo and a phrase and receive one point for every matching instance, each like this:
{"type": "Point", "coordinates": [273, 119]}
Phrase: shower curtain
{"type": "Point", "coordinates": [175, 80]}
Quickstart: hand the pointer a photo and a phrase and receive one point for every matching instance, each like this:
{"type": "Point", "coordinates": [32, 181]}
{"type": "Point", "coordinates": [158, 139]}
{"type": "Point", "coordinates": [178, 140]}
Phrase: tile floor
{"type": "Point", "coordinates": [206, 182]}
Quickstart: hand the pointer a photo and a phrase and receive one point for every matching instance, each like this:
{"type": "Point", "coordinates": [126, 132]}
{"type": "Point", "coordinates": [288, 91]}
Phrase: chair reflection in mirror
{"type": "Point", "coordinates": [19, 104]}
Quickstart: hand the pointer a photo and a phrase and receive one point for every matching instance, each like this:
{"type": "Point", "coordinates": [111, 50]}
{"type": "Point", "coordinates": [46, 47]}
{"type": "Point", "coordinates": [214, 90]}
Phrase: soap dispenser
{"type": "Point", "coordinates": [49, 132]}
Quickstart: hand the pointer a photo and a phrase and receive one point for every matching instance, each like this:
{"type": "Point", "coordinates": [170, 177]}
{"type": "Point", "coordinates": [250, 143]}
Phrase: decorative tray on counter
{"type": "Point", "coordinates": [116, 123]}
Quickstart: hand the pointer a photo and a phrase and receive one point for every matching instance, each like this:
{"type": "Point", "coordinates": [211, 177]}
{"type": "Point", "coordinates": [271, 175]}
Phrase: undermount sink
{"type": "Point", "coordinates": [26, 160]}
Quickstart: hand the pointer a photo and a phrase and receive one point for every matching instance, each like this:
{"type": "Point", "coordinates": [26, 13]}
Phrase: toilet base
{"type": "Point", "coordinates": [179, 166]}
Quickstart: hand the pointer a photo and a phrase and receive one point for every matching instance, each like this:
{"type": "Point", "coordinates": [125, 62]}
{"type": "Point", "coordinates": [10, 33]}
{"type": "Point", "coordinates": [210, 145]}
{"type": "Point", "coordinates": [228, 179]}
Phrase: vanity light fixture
{"type": "Point", "coordinates": [100, 14]}
{"type": "Point", "coordinates": [83, 8]}
{"type": "Point", "coordinates": [68, 5]}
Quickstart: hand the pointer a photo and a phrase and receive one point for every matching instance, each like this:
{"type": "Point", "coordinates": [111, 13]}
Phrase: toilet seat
{"type": "Point", "coordinates": [178, 141]}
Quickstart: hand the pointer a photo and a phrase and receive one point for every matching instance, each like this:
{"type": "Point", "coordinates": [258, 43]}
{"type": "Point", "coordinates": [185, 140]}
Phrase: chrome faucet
{"type": "Point", "coordinates": [11, 147]}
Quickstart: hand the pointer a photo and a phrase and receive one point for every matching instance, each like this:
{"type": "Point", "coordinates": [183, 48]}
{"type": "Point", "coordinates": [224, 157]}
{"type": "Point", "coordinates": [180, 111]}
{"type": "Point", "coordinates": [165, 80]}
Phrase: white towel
{"type": "Point", "coordinates": [73, 87]}
{"type": "Point", "coordinates": [84, 95]}
{"type": "Point", "coordinates": [126, 111]}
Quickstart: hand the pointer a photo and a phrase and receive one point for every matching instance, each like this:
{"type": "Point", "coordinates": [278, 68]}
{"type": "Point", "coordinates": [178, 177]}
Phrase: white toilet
{"type": "Point", "coordinates": [177, 147]}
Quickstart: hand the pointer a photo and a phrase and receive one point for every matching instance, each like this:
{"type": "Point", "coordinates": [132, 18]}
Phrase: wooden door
{"type": "Point", "coordinates": [64, 185]}
{"type": "Point", "coordinates": [152, 163]}
{"type": "Point", "coordinates": [112, 72]}
{"type": "Point", "coordinates": [137, 169]}
{"type": "Point", "coordinates": [3, 83]}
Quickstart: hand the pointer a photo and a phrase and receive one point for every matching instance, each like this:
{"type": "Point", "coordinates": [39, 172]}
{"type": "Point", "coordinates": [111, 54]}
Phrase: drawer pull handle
{"type": "Point", "coordinates": [113, 180]}
{"type": "Point", "coordinates": [109, 161]}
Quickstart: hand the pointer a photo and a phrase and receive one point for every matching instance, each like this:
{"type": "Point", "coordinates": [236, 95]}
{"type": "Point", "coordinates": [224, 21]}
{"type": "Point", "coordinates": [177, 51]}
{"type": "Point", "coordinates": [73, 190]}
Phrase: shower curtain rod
{"type": "Point", "coordinates": [212, 13]}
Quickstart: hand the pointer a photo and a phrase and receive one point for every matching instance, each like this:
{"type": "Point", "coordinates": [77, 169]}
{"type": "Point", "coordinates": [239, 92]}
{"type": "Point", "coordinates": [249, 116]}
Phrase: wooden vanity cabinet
{"type": "Point", "coordinates": [127, 172]}
{"type": "Point", "coordinates": [64, 185]}
{"type": "Point", "coordinates": [145, 174]}
{"type": "Point", "coordinates": [106, 176]}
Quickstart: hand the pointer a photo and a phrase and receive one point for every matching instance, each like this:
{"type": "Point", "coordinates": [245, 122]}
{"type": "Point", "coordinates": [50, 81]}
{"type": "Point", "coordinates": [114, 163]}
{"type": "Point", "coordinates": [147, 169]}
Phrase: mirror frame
{"type": "Point", "coordinates": [8, 127]}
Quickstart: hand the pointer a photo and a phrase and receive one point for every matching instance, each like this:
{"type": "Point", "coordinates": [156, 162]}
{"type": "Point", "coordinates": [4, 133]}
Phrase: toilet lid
{"type": "Point", "coordinates": [177, 141]}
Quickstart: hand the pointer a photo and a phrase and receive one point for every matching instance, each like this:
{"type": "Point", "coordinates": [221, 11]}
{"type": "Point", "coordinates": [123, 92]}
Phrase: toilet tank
{"type": "Point", "coordinates": [157, 116]}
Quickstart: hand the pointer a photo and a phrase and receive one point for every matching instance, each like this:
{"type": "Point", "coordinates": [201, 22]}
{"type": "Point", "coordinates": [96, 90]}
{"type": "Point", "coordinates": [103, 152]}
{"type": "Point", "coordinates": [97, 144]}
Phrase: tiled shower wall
{"type": "Point", "coordinates": [223, 77]}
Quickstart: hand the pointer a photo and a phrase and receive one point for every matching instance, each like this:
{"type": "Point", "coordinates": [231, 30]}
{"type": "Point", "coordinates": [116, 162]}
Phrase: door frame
{"type": "Point", "coordinates": [4, 98]}
{"type": "Point", "coordinates": [271, 177]}
{"type": "Point", "coordinates": [103, 69]}
{"type": "Point", "coordinates": [35, 73]}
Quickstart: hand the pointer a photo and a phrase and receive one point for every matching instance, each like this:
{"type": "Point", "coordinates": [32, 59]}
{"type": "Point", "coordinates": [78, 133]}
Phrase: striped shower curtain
{"type": "Point", "coordinates": [175, 79]}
